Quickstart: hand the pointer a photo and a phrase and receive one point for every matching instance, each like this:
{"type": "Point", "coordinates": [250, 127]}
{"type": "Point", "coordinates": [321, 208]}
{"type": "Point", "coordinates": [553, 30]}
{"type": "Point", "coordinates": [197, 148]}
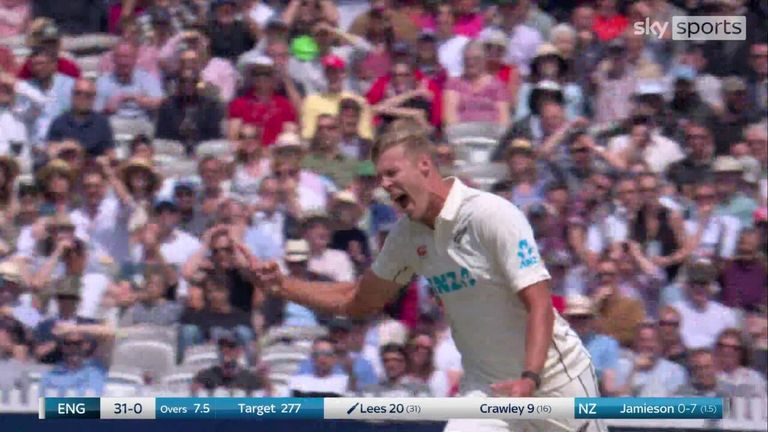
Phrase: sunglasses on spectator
{"type": "Point", "coordinates": [85, 93]}
{"type": "Point", "coordinates": [695, 136]}
{"type": "Point", "coordinates": [424, 347]}
{"type": "Point", "coordinates": [327, 127]}
{"type": "Point", "coordinates": [579, 149]}
{"type": "Point", "coordinates": [324, 353]}
{"type": "Point", "coordinates": [606, 274]}
{"type": "Point", "coordinates": [669, 323]}
{"type": "Point", "coordinates": [388, 359]}
{"type": "Point", "coordinates": [707, 197]}
{"type": "Point", "coordinates": [287, 173]}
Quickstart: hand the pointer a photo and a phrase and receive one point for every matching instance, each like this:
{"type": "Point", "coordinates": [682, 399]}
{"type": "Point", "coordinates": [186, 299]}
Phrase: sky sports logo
{"type": "Point", "coordinates": [695, 28]}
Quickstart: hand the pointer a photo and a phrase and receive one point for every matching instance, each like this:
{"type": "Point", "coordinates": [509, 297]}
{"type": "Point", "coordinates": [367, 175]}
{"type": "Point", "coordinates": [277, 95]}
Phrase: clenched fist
{"type": "Point", "coordinates": [270, 276]}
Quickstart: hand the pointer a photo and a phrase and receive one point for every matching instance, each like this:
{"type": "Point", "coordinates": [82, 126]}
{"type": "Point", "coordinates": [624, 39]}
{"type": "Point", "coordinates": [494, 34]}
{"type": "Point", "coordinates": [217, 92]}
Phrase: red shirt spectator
{"type": "Point", "coordinates": [64, 66]}
{"type": "Point", "coordinates": [270, 114]}
{"type": "Point", "coordinates": [7, 60]}
{"type": "Point", "coordinates": [610, 27]}
{"type": "Point", "coordinates": [378, 93]}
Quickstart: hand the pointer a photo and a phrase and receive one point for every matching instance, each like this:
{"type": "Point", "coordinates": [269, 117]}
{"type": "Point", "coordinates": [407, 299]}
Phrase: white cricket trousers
{"type": "Point", "coordinates": [585, 385]}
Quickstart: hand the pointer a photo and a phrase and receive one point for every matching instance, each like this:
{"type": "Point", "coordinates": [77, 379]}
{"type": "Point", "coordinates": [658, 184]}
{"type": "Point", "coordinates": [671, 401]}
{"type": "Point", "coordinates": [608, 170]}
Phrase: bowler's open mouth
{"type": "Point", "coordinates": [401, 199]}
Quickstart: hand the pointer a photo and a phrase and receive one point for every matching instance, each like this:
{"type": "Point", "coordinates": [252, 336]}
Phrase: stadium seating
{"type": "Point", "coordinates": [151, 357]}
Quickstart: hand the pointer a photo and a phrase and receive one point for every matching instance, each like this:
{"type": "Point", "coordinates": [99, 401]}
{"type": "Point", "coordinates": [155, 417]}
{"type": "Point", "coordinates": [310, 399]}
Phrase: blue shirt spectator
{"type": "Point", "coordinates": [55, 87]}
{"type": "Point", "coordinates": [74, 373]}
{"type": "Point", "coordinates": [91, 130]}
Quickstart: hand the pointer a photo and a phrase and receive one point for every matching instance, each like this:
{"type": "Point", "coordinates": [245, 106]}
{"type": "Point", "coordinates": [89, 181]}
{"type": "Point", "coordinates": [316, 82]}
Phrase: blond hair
{"type": "Point", "coordinates": [406, 132]}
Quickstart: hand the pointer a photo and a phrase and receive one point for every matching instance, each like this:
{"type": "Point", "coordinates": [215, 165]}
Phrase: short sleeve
{"type": "Point", "coordinates": [508, 239]}
{"type": "Point", "coordinates": [453, 84]}
{"type": "Point", "coordinates": [236, 109]}
{"type": "Point", "coordinates": [500, 93]}
{"type": "Point", "coordinates": [392, 264]}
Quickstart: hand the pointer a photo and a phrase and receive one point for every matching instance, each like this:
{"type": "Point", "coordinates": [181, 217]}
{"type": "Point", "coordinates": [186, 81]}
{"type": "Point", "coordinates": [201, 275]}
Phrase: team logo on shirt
{"type": "Point", "coordinates": [527, 254]}
{"type": "Point", "coordinates": [451, 281]}
{"type": "Point", "coordinates": [421, 251]}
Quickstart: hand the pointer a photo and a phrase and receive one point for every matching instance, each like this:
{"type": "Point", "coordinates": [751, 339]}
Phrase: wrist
{"type": "Point", "coordinates": [533, 377]}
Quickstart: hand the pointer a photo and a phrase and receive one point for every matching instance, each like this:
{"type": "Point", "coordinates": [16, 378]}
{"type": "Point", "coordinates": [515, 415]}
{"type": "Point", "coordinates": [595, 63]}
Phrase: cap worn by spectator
{"type": "Point", "coordinates": [616, 44]}
{"type": "Point", "coordinates": [9, 166]}
{"type": "Point", "coordinates": [296, 251]}
{"type": "Point", "coordinates": [541, 88]}
{"type": "Point", "coordinates": [160, 15]}
{"type": "Point", "coordinates": [733, 84]}
{"type": "Point", "coordinates": [316, 217]}
{"type": "Point", "coordinates": [366, 169]}
{"type": "Point", "coordinates": [727, 164]}
{"type": "Point", "coordinates": [276, 25]}
{"type": "Point", "coordinates": [401, 48]}
{"type": "Point", "coordinates": [260, 61]}
{"type": "Point", "coordinates": [49, 33]}
{"type": "Point", "coordinates": [218, 3]}
{"type": "Point", "coordinates": [331, 61]}
{"type": "Point", "coordinates": [761, 215]}
{"type": "Point", "coordinates": [288, 140]}
{"type": "Point", "coordinates": [304, 48]}
{"type": "Point", "coordinates": [579, 306]}
{"type": "Point", "coordinates": [184, 186]}
{"type": "Point", "coordinates": [59, 222]}
{"type": "Point", "coordinates": [520, 145]}
{"type": "Point", "coordinates": [645, 87]}
{"type": "Point", "coordinates": [494, 36]}
{"type": "Point", "coordinates": [68, 287]}
{"type": "Point", "coordinates": [10, 272]}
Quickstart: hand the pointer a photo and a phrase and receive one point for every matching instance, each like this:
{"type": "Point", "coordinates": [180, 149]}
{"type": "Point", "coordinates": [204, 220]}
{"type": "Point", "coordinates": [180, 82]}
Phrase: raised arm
{"type": "Point", "coordinates": [368, 295]}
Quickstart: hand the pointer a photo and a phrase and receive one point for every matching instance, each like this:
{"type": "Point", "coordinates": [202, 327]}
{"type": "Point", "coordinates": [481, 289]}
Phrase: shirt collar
{"type": "Point", "coordinates": [452, 202]}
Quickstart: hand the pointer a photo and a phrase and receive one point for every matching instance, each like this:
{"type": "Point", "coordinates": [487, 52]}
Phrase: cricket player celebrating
{"type": "Point", "coordinates": [478, 252]}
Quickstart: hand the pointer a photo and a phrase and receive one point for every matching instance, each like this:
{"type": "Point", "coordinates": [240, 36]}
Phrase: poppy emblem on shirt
{"type": "Point", "coordinates": [421, 251]}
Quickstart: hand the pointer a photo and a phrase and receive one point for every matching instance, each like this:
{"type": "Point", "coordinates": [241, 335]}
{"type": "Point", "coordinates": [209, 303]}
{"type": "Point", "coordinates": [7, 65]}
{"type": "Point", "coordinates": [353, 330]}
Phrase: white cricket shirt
{"type": "Point", "coordinates": [480, 254]}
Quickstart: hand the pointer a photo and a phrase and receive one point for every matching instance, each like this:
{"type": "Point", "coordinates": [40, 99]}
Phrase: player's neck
{"type": "Point", "coordinates": [438, 193]}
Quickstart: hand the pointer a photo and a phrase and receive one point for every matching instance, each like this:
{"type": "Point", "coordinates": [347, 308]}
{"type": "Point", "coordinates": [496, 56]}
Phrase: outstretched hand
{"type": "Point", "coordinates": [514, 388]}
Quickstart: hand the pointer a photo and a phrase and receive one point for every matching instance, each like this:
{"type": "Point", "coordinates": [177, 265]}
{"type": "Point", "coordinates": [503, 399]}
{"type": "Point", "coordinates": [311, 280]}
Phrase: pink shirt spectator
{"type": "Point", "coordinates": [468, 25]}
{"type": "Point", "coordinates": [148, 60]}
{"type": "Point", "coordinates": [478, 105]}
{"type": "Point", "coordinates": [223, 75]}
{"type": "Point", "coordinates": [113, 17]}
{"type": "Point", "coordinates": [14, 15]}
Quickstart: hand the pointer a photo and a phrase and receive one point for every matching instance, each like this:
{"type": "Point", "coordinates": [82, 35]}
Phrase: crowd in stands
{"type": "Point", "coordinates": [144, 177]}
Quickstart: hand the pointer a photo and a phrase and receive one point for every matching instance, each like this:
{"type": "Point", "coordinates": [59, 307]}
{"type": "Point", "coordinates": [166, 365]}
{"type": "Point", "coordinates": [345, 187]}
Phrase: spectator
{"type": "Point", "coordinates": [477, 96]}
{"type": "Point", "coordinates": [729, 125]}
{"type": "Point", "coordinates": [450, 45]}
{"type": "Point", "coordinates": [702, 318]}
{"type": "Point", "coordinates": [615, 226]}
{"type": "Point", "coordinates": [90, 129]}
{"type": "Point", "coordinates": [404, 27]}
{"type": "Point", "coordinates": [44, 34]}
{"type": "Point", "coordinates": [229, 373]}
{"type": "Point", "coordinates": [229, 36]}
{"type": "Point", "coordinates": [697, 165]}
{"type": "Point", "coordinates": [712, 235]}
{"type": "Point", "coordinates": [346, 235]}
{"type": "Point", "coordinates": [73, 373]}
{"type": "Point", "coordinates": [56, 182]}
{"type": "Point", "coordinates": [686, 104]}
{"type": "Point", "coordinates": [261, 105]}
{"type": "Point", "coordinates": [405, 98]}
{"type": "Point", "coordinates": [299, 16]}
{"type": "Point", "coordinates": [758, 77]}
{"type": "Point", "coordinates": [523, 40]}
{"type": "Point", "coordinates": [48, 347]}
{"type": "Point", "coordinates": [293, 314]}
{"type": "Point", "coordinates": [645, 143]}
{"type": "Point", "coordinates": [427, 61]}
{"type": "Point", "coordinates": [743, 279]}
{"type": "Point", "coordinates": [252, 165]}
{"type": "Point", "coordinates": [542, 126]}
{"type": "Point", "coordinates": [332, 263]}
{"type": "Point", "coordinates": [272, 224]}
{"type": "Point", "coordinates": [618, 315]}
{"type": "Point", "coordinates": [191, 219]}
{"type": "Point", "coordinates": [15, 300]}
{"type": "Point", "coordinates": [328, 102]}
{"type": "Point", "coordinates": [756, 328]}
{"type": "Point", "coordinates": [161, 240]}
{"type": "Point", "coordinates": [550, 65]}
{"type": "Point", "coordinates": [75, 17]}
{"type": "Point", "coordinates": [732, 202]}
{"type": "Point", "coordinates": [324, 156]}
{"type": "Point", "coordinates": [224, 255]}
{"type": "Point", "coordinates": [148, 51]}
{"type": "Point", "coordinates": [669, 334]}
{"type": "Point", "coordinates": [421, 365]}
{"type": "Point", "coordinates": [128, 92]}
{"type": "Point", "coordinates": [15, 15]}
{"type": "Point", "coordinates": [733, 376]}
{"type": "Point", "coordinates": [396, 381]}
{"type": "Point", "coordinates": [495, 42]}
{"type": "Point", "coordinates": [604, 350]}
{"type": "Point", "coordinates": [323, 381]}
{"type": "Point", "coordinates": [353, 145]}
{"type": "Point", "coordinates": [19, 102]}
{"type": "Point", "coordinates": [57, 91]}
{"type": "Point", "coordinates": [646, 373]}
{"type": "Point", "coordinates": [219, 317]}
{"type": "Point", "coordinates": [609, 23]}
{"type": "Point", "coordinates": [704, 382]}
{"type": "Point", "coordinates": [153, 307]}
{"type": "Point", "coordinates": [527, 179]}
{"type": "Point", "coordinates": [189, 115]}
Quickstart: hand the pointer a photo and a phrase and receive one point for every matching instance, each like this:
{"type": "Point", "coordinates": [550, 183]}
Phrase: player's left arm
{"type": "Point", "coordinates": [539, 325]}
